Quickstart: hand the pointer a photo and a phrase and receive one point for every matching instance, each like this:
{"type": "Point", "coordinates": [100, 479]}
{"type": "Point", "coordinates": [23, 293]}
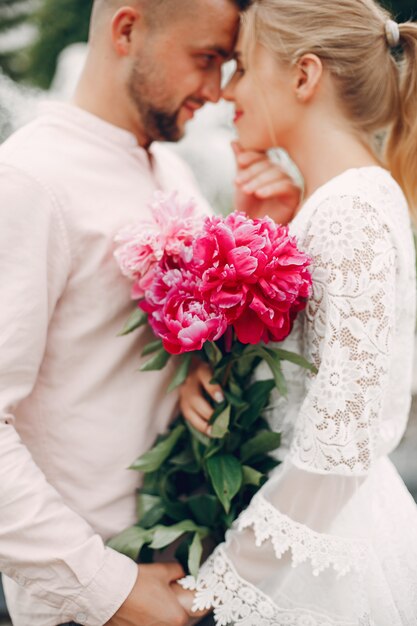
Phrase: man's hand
{"type": "Point", "coordinates": [263, 188]}
{"type": "Point", "coordinates": [186, 599]}
{"type": "Point", "coordinates": [152, 601]}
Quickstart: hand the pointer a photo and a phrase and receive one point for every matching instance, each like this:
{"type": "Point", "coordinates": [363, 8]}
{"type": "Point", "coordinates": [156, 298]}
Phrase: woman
{"type": "Point", "coordinates": [331, 539]}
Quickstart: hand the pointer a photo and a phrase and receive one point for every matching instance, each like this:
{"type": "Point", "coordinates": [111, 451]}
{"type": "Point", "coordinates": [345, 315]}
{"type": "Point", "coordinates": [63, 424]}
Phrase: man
{"type": "Point", "coordinates": [74, 413]}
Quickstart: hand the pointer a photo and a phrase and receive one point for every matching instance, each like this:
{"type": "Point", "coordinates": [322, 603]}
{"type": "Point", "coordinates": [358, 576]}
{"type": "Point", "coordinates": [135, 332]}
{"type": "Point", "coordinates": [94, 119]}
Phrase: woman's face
{"type": "Point", "coordinates": [264, 96]}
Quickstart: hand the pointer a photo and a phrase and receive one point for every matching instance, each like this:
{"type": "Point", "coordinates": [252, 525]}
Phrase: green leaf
{"type": "Point", "coordinates": [152, 347]}
{"type": "Point", "coordinates": [153, 459]}
{"type": "Point", "coordinates": [212, 352]}
{"type": "Point", "coordinates": [145, 503]}
{"type": "Point", "coordinates": [182, 372]}
{"type": "Point", "coordinates": [131, 541]}
{"type": "Point", "coordinates": [274, 363]}
{"type": "Point", "coordinates": [163, 536]}
{"type": "Point", "coordinates": [157, 362]}
{"type": "Point", "coordinates": [135, 320]}
{"type": "Point", "coordinates": [176, 510]}
{"type": "Point", "coordinates": [264, 441]}
{"type": "Point", "coordinates": [246, 364]}
{"type": "Point", "coordinates": [235, 400]}
{"type": "Point", "coordinates": [226, 477]}
{"type": "Point", "coordinates": [194, 555]}
{"type": "Point", "coordinates": [205, 508]}
{"type": "Point", "coordinates": [285, 355]}
{"type": "Point", "coordinates": [251, 476]}
{"type": "Point", "coordinates": [198, 436]}
{"type": "Point", "coordinates": [153, 515]}
{"type": "Point", "coordinates": [183, 458]}
{"type": "Point", "coordinates": [257, 397]}
{"type": "Point", "coordinates": [216, 445]}
{"type": "Point", "coordinates": [221, 425]}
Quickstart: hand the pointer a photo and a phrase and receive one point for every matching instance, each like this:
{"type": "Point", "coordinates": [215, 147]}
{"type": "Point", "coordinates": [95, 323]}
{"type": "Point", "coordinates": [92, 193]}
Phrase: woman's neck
{"type": "Point", "coordinates": [324, 150]}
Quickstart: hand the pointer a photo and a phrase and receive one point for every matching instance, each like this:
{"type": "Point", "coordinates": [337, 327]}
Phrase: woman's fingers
{"type": "Point", "coordinates": [198, 423]}
{"type": "Point", "coordinates": [195, 407]}
{"type": "Point", "coordinates": [264, 176]}
{"type": "Point", "coordinates": [282, 190]}
{"type": "Point", "coordinates": [205, 376]}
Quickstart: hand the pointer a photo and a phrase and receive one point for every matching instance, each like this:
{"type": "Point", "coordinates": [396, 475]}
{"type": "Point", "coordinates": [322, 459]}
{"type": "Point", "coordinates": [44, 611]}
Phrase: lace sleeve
{"type": "Point", "coordinates": [299, 553]}
{"type": "Point", "coordinates": [349, 331]}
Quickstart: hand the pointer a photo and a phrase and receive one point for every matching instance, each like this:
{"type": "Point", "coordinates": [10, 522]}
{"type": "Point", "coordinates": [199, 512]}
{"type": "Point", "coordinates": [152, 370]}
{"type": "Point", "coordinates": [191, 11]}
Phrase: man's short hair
{"type": "Point", "coordinates": [157, 7]}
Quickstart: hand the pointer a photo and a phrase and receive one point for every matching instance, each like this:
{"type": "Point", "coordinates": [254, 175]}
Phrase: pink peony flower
{"type": "Point", "coordinates": [177, 313]}
{"type": "Point", "coordinates": [254, 273]}
{"type": "Point", "coordinates": [166, 237]}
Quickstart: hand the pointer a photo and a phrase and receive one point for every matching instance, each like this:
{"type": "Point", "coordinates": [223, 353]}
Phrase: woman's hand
{"type": "Point", "coordinates": [263, 187]}
{"type": "Point", "coordinates": [194, 406]}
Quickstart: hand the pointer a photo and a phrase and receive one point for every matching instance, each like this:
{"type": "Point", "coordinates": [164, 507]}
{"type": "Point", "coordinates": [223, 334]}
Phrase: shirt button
{"type": "Point", "coordinates": [81, 618]}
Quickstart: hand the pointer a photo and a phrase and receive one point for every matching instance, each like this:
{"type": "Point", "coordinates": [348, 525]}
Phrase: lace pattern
{"type": "Point", "coordinates": [237, 602]}
{"type": "Point", "coordinates": [357, 329]}
{"type": "Point", "coordinates": [321, 550]}
{"type": "Point", "coordinates": [361, 259]}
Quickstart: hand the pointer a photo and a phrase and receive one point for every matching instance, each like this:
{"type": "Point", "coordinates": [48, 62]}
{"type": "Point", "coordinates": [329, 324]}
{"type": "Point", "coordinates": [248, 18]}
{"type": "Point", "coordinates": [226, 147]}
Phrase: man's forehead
{"type": "Point", "coordinates": [214, 32]}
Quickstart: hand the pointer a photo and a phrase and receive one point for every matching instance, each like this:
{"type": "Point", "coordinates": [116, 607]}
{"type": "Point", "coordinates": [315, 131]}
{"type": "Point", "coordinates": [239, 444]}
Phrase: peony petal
{"type": "Point", "coordinates": [242, 259]}
{"type": "Point", "coordinates": [249, 328]}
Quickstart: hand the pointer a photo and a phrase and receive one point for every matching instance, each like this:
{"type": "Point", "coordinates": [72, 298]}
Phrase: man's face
{"type": "Point", "coordinates": [178, 67]}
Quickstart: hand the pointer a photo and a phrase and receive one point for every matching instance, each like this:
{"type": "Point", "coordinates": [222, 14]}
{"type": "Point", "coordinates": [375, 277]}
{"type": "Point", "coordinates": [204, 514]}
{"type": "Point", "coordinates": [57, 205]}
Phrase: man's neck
{"type": "Point", "coordinates": [107, 104]}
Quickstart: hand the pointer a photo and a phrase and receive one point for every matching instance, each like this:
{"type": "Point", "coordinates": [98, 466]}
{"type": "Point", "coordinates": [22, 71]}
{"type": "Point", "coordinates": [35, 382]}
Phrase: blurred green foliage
{"type": "Point", "coordinates": [58, 23]}
{"type": "Point", "coordinates": [62, 22]}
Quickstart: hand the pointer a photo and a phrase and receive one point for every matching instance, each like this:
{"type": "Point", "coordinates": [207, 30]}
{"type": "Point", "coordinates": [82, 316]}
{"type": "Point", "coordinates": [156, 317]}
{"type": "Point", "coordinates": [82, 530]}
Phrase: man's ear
{"type": "Point", "coordinates": [308, 74]}
{"type": "Point", "coordinates": [122, 27]}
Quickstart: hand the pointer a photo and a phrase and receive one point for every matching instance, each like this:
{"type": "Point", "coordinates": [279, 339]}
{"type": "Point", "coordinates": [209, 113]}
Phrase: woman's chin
{"type": "Point", "coordinates": [253, 143]}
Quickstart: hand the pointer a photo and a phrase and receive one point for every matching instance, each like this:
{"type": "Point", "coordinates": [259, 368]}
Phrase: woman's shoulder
{"type": "Point", "coordinates": [353, 219]}
{"type": "Point", "coordinates": [354, 199]}
{"type": "Point", "coordinates": [371, 185]}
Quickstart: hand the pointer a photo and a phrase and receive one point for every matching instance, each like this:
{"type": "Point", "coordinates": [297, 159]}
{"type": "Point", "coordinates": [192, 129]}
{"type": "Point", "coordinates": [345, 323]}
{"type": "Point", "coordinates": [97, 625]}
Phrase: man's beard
{"type": "Point", "coordinates": [159, 123]}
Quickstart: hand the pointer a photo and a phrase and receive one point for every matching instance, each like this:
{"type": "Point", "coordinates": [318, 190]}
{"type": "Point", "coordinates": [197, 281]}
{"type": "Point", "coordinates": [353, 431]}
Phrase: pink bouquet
{"type": "Point", "coordinates": [220, 288]}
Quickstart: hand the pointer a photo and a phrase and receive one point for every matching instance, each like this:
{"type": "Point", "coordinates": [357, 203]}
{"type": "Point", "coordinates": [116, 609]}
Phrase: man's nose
{"type": "Point", "coordinates": [211, 89]}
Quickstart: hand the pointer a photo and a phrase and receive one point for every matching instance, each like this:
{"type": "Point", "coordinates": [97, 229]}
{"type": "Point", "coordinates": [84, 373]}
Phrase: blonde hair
{"type": "Point", "coordinates": [376, 85]}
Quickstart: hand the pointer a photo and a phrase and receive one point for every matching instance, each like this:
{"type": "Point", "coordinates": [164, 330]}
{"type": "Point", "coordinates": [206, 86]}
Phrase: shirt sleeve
{"type": "Point", "coordinates": [298, 553]}
{"type": "Point", "coordinates": [44, 545]}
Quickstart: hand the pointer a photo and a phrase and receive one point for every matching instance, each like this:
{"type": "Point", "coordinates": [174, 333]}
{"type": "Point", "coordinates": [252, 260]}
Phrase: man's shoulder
{"type": "Point", "coordinates": [33, 147]}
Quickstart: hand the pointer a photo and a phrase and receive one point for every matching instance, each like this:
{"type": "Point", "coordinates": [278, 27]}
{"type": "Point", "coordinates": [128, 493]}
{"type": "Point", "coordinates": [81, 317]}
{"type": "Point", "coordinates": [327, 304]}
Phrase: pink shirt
{"type": "Point", "coordinates": [74, 411]}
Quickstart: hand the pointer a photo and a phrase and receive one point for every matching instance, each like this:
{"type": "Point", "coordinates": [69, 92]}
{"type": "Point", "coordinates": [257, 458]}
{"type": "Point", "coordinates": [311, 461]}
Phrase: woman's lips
{"type": "Point", "coordinates": [238, 115]}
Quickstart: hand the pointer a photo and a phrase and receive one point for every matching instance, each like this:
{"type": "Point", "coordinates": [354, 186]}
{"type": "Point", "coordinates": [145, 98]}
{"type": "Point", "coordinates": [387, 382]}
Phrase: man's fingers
{"type": "Point", "coordinates": [171, 571]}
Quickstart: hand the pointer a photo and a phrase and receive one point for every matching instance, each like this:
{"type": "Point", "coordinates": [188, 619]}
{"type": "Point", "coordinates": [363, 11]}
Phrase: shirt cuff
{"type": "Point", "coordinates": [105, 594]}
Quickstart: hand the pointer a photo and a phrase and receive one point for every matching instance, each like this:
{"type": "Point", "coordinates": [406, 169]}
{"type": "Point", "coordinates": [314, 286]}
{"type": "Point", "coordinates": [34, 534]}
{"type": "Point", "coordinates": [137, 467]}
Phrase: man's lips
{"type": "Point", "coordinates": [192, 107]}
{"type": "Point", "coordinates": [238, 115]}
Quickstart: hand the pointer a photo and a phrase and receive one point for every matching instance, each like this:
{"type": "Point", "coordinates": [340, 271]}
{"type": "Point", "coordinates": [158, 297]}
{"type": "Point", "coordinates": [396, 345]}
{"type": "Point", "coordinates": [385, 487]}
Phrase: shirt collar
{"type": "Point", "coordinates": [105, 130]}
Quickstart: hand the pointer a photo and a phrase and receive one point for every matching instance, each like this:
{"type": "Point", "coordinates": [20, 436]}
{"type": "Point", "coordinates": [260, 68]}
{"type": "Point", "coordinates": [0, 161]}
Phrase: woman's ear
{"type": "Point", "coordinates": [308, 74]}
{"type": "Point", "coordinates": [122, 26]}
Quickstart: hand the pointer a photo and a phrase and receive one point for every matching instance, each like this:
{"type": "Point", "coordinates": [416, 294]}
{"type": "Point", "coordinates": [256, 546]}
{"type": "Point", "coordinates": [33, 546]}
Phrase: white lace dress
{"type": "Point", "coordinates": [331, 538]}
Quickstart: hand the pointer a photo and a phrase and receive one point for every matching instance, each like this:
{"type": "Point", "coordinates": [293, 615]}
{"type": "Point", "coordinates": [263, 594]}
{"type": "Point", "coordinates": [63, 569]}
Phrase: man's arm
{"type": "Point", "coordinates": [44, 545]}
